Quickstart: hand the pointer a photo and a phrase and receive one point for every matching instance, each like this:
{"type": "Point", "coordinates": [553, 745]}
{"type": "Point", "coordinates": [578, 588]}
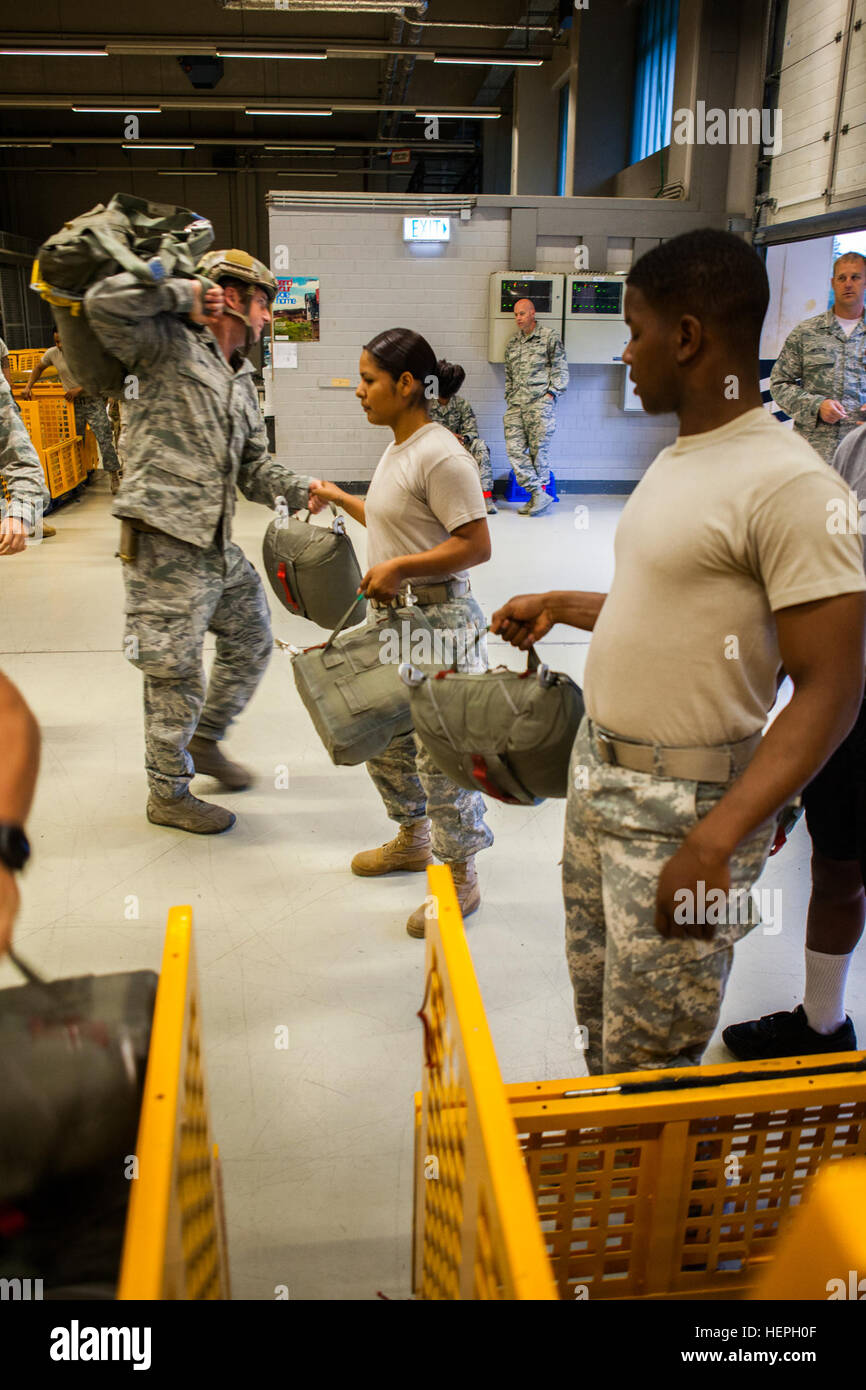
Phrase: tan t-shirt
{"type": "Point", "coordinates": [724, 529]}
{"type": "Point", "coordinates": [54, 358]}
{"type": "Point", "coordinates": [421, 491]}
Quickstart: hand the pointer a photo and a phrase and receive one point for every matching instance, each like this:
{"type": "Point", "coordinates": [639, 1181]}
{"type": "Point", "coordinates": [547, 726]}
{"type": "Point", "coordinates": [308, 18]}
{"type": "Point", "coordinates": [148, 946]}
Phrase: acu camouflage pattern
{"type": "Point", "coordinates": [175, 594]}
{"type": "Point", "coordinates": [458, 416]}
{"type": "Point", "coordinates": [535, 364]}
{"type": "Point", "coordinates": [194, 432]}
{"type": "Point", "coordinates": [407, 780]}
{"type": "Point", "coordinates": [90, 410]}
{"type": "Point", "coordinates": [20, 468]}
{"type": "Point", "coordinates": [818, 362]}
{"type": "Point", "coordinates": [645, 1001]}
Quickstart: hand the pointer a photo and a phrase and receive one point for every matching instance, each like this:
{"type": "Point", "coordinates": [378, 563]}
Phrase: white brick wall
{"type": "Point", "coordinates": [372, 280]}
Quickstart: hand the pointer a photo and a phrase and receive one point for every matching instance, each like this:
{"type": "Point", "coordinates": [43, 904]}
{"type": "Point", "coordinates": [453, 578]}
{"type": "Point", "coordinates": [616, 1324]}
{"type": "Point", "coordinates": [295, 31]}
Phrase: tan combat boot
{"type": "Point", "coordinates": [210, 761]}
{"type": "Point", "coordinates": [409, 852]}
{"type": "Point", "coordinates": [188, 813]}
{"type": "Point", "coordinates": [468, 896]}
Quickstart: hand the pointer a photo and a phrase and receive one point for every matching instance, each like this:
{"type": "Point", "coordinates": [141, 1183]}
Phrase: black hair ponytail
{"type": "Point", "coordinates": [400, 350]}
{"type": "Point", "coordinates": [451, 377]}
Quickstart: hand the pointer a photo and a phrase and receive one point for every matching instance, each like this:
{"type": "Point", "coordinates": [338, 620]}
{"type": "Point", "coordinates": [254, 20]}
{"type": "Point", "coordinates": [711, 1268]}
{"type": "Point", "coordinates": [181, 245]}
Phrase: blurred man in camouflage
{"type": "Point", "coordinates": [23, 493]}
{"type": "Point", "coordinates": [819, 377]}
{"type": "Point", "coordinates": [536, 373]}
{"type": "Point", "coordinates": [192, 435]}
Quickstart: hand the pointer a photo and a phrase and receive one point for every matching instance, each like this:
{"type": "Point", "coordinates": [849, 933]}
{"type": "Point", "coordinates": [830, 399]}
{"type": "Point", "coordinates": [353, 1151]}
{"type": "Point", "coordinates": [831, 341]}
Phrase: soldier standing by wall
{"type": "Point", "coordinates": [457, 415]}
{"type": "Point", "coordinates": [536, 372]}
{"type": "Point", "coordinates": [89, 410]}
{"type": "Point", "coordinates": [819, 377]}
{"type": "Point", "coordinates": [193, 434]}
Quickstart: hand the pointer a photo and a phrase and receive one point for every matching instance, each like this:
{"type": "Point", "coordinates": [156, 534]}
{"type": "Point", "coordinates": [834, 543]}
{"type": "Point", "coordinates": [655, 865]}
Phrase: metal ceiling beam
{"type": "Point", "coordinates": [428, 146]}
{"type": "Point", "coordinates": [120, 104]}
{"type": "Point", "coordinates": [126, 46]}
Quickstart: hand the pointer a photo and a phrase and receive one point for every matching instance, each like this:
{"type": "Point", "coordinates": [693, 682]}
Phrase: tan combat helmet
{"type": "Point", "coordinates": [240, 265]}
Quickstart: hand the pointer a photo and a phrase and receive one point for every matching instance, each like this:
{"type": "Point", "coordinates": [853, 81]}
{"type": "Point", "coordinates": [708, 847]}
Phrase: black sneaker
{"type": "Point", "coordinates": [785, 1035]}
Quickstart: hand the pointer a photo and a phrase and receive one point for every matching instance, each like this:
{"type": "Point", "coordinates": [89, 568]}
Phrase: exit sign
{"type": "Point", "coordinates": [426, 228]}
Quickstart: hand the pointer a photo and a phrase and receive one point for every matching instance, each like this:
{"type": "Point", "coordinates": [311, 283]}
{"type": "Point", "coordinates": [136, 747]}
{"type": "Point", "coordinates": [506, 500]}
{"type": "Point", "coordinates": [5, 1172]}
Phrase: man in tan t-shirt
{"type": "Point", "coordinates": [729, 566]}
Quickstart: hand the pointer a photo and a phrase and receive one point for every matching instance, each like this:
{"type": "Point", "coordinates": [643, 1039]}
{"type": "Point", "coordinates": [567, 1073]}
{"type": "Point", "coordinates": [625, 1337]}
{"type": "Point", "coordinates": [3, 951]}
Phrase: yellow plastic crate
{"type": "Point", "coordinates": [174, 1246]}
{"type": "Point", "coordinates": [822, 1256]}
{"type": "Point", "coordinates": [64, 466]}
{"type": "Point", "coordinates": [664, 1184]}
{"type": "Point", "coordinates": [23, 360]}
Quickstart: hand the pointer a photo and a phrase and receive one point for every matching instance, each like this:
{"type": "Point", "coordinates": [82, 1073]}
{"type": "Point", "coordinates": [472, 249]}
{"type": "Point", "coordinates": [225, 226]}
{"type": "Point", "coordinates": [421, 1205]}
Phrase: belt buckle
{"type": "Point", "coordinates": [409, 600]}
{"type": "Point", "coordinates": [607, 743]}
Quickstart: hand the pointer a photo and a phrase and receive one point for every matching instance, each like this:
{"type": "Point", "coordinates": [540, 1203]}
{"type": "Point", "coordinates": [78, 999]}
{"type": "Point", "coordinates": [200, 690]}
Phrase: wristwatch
{"type": "Point", "coordinates": [14, 846]}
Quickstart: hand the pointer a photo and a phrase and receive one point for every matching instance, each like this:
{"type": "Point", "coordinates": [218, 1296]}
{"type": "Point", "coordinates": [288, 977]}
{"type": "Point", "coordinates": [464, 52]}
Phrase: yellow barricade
{"type": "Point", "coordinates": [663, 1184]}
{"type": "Point", "coordinates": [174, 1245]}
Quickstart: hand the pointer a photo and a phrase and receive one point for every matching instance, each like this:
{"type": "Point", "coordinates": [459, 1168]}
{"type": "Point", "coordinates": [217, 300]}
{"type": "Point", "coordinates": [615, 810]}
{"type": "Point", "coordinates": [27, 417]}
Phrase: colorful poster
{"type": "Point", "coordinates": [296, 309]}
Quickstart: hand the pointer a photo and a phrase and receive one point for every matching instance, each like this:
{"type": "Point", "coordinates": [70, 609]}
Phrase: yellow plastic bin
{"type": "Point", "coordinates": [174, 1245]}
{"type": "Point", "coordinates": [663, 1184]}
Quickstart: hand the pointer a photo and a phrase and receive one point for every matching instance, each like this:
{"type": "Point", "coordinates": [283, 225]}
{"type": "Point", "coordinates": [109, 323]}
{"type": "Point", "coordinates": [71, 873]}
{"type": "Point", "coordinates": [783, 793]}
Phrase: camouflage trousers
{"type": "Point", "coordinates": [90, 410]}
{"type": "Point", "coordinates": [481, 454]}
{"type": "Point", "coordinates": [175, 594]}
{"type": "Point", "coordinates": [528, 432]}
{"type": "Point", "coordinates": [642, 1000]}
{"type": "Point", "coordinates": [406, 778]}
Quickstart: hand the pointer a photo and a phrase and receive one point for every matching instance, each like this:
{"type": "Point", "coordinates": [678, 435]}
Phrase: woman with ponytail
{"type": "Point", "coordinates": [426, 527]}
{"type": "Point", "coordinates": [456, 414]}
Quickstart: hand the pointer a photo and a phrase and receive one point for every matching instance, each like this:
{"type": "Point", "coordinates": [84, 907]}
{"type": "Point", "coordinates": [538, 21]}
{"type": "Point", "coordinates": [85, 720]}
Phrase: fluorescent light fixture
{"type": "Point", "coordinates": [458, 115]}
{"type": "Point", "coordinates": [496, 62]}
{"type": "Point", "coordinates": [189, 173]}
{"type": "Point", "coordinates": [223, 53]}
{"type": "Point", "coordinates": [301, 149]}
{"type": "Point", "coordinates": [54, 52]}
{"type": "Point", "coordinates": [426, 228]}
{"type": "Point", "coordinates": [140, 145]}
{"type": "Point", "coordinates": [120, 110]}
{"type": "Point", "coordinates": [256, 111]}
{"type": "Point", "coordinates": [23, 145]}
{"type": "Point", "coordinates": [308, 173]}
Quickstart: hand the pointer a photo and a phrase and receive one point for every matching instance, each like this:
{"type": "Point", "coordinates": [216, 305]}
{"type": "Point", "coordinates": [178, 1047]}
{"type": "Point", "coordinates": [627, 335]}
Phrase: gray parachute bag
{"type": "Point", "coordinates": [151, 240]}
{"type": "Point", "coordinates": [313, 570]}
{"type": "Point", "coordinates": [356, 701]}
{"type": "Point", "coordinates": [508, 734]}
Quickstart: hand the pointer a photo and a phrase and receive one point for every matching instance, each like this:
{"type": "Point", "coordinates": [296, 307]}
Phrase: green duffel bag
{"type": "Point", "coordinates": [508, 734]}
{"type": "Point", "coordinates": [356, 700]}
{"type": "Point", "coordinates": [313, 570]}
{"type": "Point", "coordinates": [152, 240]}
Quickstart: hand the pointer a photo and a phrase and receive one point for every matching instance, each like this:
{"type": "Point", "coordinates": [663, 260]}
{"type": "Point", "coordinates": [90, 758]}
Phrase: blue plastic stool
{"type": "Point", "coordinates": [515, 493]}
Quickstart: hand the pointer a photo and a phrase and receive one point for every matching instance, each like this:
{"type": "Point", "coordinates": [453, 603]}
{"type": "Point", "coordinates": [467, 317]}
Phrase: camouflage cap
{"type": "Point", "coordinates": [242, 266]}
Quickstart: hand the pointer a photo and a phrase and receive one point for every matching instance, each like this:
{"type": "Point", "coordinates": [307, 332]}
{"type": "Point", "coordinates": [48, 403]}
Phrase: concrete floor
{"type": "Point", "coordinates": [316, 1140]}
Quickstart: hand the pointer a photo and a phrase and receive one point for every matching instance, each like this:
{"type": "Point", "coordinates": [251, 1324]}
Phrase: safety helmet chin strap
{"type": "Point", "coordinates": [249, 340]}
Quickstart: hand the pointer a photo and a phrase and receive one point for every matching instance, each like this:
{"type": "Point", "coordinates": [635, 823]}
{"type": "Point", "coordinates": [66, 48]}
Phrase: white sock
{"type": "Point", "coordinates": [824, 996]}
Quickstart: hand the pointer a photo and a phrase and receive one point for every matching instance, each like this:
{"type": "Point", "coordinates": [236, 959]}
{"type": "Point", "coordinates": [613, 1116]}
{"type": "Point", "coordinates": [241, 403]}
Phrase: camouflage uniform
{"type": "Point", "coordinates": [458, 416]}
{"type": "Point", "coordinates": [193, 434]}
{"type": "Point", "coordinates": [20, 469]}
{"type": "Point", "coordinates": [91, 410]}
{"type": "Point", "coordinates": [115, 419]}
{"type": "Point", "coordinates": [818, 362]}
{"type": "Point", "coordinates": [407, 780]}
{"type": "Point", "coordinates": [534, 365]}
{"type": "Point", "coordinates": [645, 1001]}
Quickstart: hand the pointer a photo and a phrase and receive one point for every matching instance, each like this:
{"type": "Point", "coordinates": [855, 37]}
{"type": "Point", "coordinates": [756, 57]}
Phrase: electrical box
{"type": "Point", "coordinates": [595, 327]}
{"type": "Point", "coordinates": [506, 287]}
